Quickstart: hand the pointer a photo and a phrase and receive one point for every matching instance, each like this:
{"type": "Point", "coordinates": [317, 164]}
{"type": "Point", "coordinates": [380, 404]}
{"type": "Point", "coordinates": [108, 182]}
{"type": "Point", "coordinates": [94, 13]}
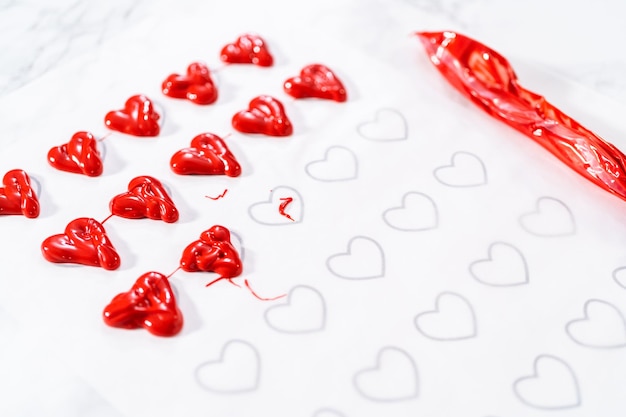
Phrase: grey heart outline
{"type": "Point", "coordinates": [349, 252]}
{"type": "Point", "coordinates": [452, 165]}
{"type": "Point", "coordinates": [288, 304]}
{"type": "Point", "coordinates": [287, 222]}
{"type": "Point", "coordinates": [325, 160]}
{"type": "Point", "coordinates": [490, 259]}
{"type": "Point", "coordinates": [586, 318]}
{"type": "Point", "coordinates": [376, 119]}
{"type": "Point", "coordinates": [437, 310]}
{"type": "Point", "coordinates": [403, 207]}
{"type": "Point", "coordinates": [537, 211]}
{"type": "Point", "coordinates": [616, 273]}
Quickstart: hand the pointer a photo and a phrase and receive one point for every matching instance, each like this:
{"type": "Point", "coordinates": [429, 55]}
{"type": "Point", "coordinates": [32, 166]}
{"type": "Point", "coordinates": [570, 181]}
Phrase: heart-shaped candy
{"type": "Point", "coordinates": [247, 49]}
{"type": "Point", "coordinates": [17, 196]}
{"type": "Point", "coordinates": [150, 304]}
{"type": "Point", "coordinates": [265, 115]}
{"type": "Point", "coordinates": [80, 155]}
{"type": "Point", "coordinates": [146, 197]}
{"type": "Point", "coordinates": [318, 81]}
{"type": "Point", "coordinates": [84, 242]}
{"type": "Point", "coordinates": [137, 118]}
{"type": "Point", "coordinates": [213, 252]}
{"type": "Point", "coordinates": [208, 155]}
{"type": "Point", "coordinates": [197, 86]}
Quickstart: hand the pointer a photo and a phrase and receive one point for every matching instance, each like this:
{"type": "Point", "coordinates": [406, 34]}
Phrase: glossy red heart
{"type": "Point", "coordinates": [208, 155]}
{"type": "Point", "coordinates": [137, 118]}
{"type": "Point", "coordinates": [150, 304]}
{"type": "Point", "coordinates": [196, 86]}
{"type": "Point", "coordinates": [247, 49]}
{"type": "Point", "coordinates": [213, 252]}
{"type": "Point", "coordinates": [17, 196]}
{"type": "Point", "coordinates": [84, 242]}
{"type": "Point", "coordinates": [318, 81]}
{"type": "Point", "coordinates": [80, 155]}
{"type": "Point", "coordinates": [146, 197]}
{"type": "Point", "coordinates": [265, 115]}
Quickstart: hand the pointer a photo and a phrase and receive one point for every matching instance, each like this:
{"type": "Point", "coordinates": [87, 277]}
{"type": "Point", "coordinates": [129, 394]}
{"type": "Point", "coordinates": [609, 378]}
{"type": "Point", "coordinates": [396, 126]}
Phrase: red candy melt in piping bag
{"type": "Point", "coordinates": [487, 79]}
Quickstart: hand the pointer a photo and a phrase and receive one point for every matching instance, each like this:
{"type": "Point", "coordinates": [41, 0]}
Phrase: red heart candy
{"type": "Point", "coordinates": [208, 155]}
{"type": "Point", "coordinates": [137, 118]}
{"type": "Point", "coordinates": [80, 155]}
{"type": "Point", "coordinates": [146, 197]}
{"type": "Point", "coordinates": [247, 49]}
{"type": "Point", "coordinates": [17, 196]}
{"type": "Point", "coordinates": [150, 304]}
{"type": "Point", "coordinates": [316, 80]}
{"type": "Point", "coordinates": [84, 242]}
{"type": "Point", "coordinates": [212, 253]}
{"type": "Point", "coordinates": [197, 86]}
{"type": "Point", "coordinates": [265, 115]}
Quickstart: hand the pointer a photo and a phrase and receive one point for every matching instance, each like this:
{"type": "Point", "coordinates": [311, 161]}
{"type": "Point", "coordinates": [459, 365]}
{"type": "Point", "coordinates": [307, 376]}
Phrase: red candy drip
{"type": "Point", "coordinates": [80, 155]}
{"type": "Point", "coordinates": [137, 118]}
{"type": "Point", "coordinates": [283, 206]}
{"type": "Point", "coordinates": [265, 115]}
{"type": "Point", "coordinates": [486, 78]}
{"type": "Point", "coordinates": [208, 155]}
{"type": "Point", "coordinates": [247, 49]}
{"type": "Point", "coordinates": [318, 81]}
{"type": "Point", "coordinates": [197, 86]}
{"type": "Point", "coordinates": [146, 197]}
{"type": "Point", "coordinates": [150, 304]}
{"type": "Point", "coordinates": [84, 242]}
{"type": "Point", "coordinates": [213, 252]}
{"type": "Point", "coordinates": [17, 196]}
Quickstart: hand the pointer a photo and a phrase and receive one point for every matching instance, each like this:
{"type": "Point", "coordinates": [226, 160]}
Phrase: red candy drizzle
{"type": "Point", "coordinates": [146, 197]}
{"type": "Point", "coordinates": [80, 155]}
{"type": "Point", "coordinates": [137, 118]}
{"type": "Point", "coordinates": [150, 304]}
{"type": "Point", "coordinates": [213, 252]}
{"type": "Point", "coordinates": [318, 81]}
{"type": "Point", "coordinates": [283, 206]}
{"type": "Point", "coordinates": [196, 86]}
{"type": "Point", "coordinates": [264, 115]}
{"type": "Point", "coordinates": [208, 155]}
{"type": "Point", "coordinates": [17, 196]}
{"type": "Point", "coordinates": [247, 49]}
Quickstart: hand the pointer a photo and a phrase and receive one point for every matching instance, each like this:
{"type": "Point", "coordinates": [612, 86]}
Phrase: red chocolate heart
{"type": "Point", "coordinates": [212, 253]}
{"type": "Point", "coordinates": [318, 81]}
{"type": "Point", "coordinates": [197, 86]}
{"type": "Point", "coordinates": [84, 242]}
{"type": "Point", "coordinates": [208, 155]}
{"type": "Point", "coordinates": [265, 115]}
{"type": "Point", "coordinates": [146, 197]}
{"type": "Point", "coordinates": [17, 196]}
{"type": "Point", "coordinates": [137, 118]}
{"type": "Point", "coordinates": [150, 304]}
{"type": "Point", "coordinates": [80, 155]}
{"type": "Point", "coordinates": [247, 49]}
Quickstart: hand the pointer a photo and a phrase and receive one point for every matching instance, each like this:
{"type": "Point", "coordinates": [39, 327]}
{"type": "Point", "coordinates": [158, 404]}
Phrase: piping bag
{"type": "Point", "coordinates": [487, 79]}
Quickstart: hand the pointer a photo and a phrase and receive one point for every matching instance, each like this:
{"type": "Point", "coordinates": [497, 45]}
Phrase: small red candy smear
{"type": "Point", "coordinates": [197, 86]}
{"type": "Point", "coordinates": [265, 115]}
{"type": "Point", "coordinates": [318, 81]}
{"type": "Point", "coordinates": [80, 155]}
{"type": "Point", "coordinates": [17, 196]}
{"type": "Point", "coordinates": [212, 253]}
{"type": "Point", "coordinates": [146, 197]}
{"type": "Point", "coordinates": [208, 155]}
{"type": "Point", "coordinates": [150, 304]}
{"type": "Point", "coordinates": [84, 242]}
{"type": "Point", "coordinates": [283, 206]}
{"type": "Point", "coordinates": [486, 78]}
{"type": "Point", "coordinates": [137, 118]}
{"type": "Point", "coordinates": [248, 49]}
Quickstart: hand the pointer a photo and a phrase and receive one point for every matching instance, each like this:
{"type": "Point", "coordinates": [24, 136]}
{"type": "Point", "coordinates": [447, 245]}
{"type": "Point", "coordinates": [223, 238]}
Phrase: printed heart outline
{"type": "Point", "coordinates": [437, 310]}
{"type": "Point", "coordinates": [196, 85]}
{"type": "Point", "coordinates": [224, 351]}
{"type": "Point", "coordinates": [535, 375]}
{"type": "Point", "coordinates": [146, 198]}
{"type": "Point", "coordinates": [80, 155]}
{"type": "Point", "coordinates": [621, 281]}
{"type": "Point", "coordinates": [249, 48]}
{"type": "Point", "coordinates": [349, 155]}
{"type": "Point", "coordinates": [213, 252]}
{"type": "Point", "coordinates": [207, 155]}
{"type": "Point", "coordinates": [280, 219]}
{"type": "Point", "coordinates": [84, 242]}
{"type": "Point", "coordinates": [317, 81]}
{"type": "Point", "coordinates": [555, 202]}
{"type": "Point", "coordinates": [454, 165]}
{"type": "Point", "coordinates": [17, 195]}
{"type": "Point", "coordinates": [586, 319]}
{"type": "Point", "coordinates": [403, 206]}
{"type": "Point", "coordinates": [490, 259]}
{"type": "Point", "coordinates": [137, 118]}
{"type": "Point", "coordinates": [395, 117]}
{"type": "Point", "coordinates": [265, 115]}
{"type": "Point", "coordinates": [290, 304]}
{"type": "Point", "coordinates": [379, 248]}
{"type": "Point", "coordinates": [149, 304]}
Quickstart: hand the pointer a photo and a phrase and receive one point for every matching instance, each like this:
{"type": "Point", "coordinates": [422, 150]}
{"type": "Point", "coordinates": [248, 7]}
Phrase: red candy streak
{"type": "Point", "coordinates": [265, 115]}
{"type": "Point", "coordinates": [247, 49]}
{"type": "Point", "coordinates": [146, 197]}
{"type": "Point", "coordinates": [80, 155]}
{"type": "Point", "coordinates": [318, 81]}
{"type": "Point", "coordinates": [137, 118]}
{"type": "Point", "coordinates": [150, 304]}
{"type": "Point", "coordinates": [487, 79]}
{"type": "Point", "coordinates": [17, 196]}
{"type": "Point", "coordinates": [283, 206]}
{"type": "Point", "coordinates": [213, 252]}
{"type": "Point", "coordinates": [196, 86]}
{"type": "Point", "coordinates": [208, 155]}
